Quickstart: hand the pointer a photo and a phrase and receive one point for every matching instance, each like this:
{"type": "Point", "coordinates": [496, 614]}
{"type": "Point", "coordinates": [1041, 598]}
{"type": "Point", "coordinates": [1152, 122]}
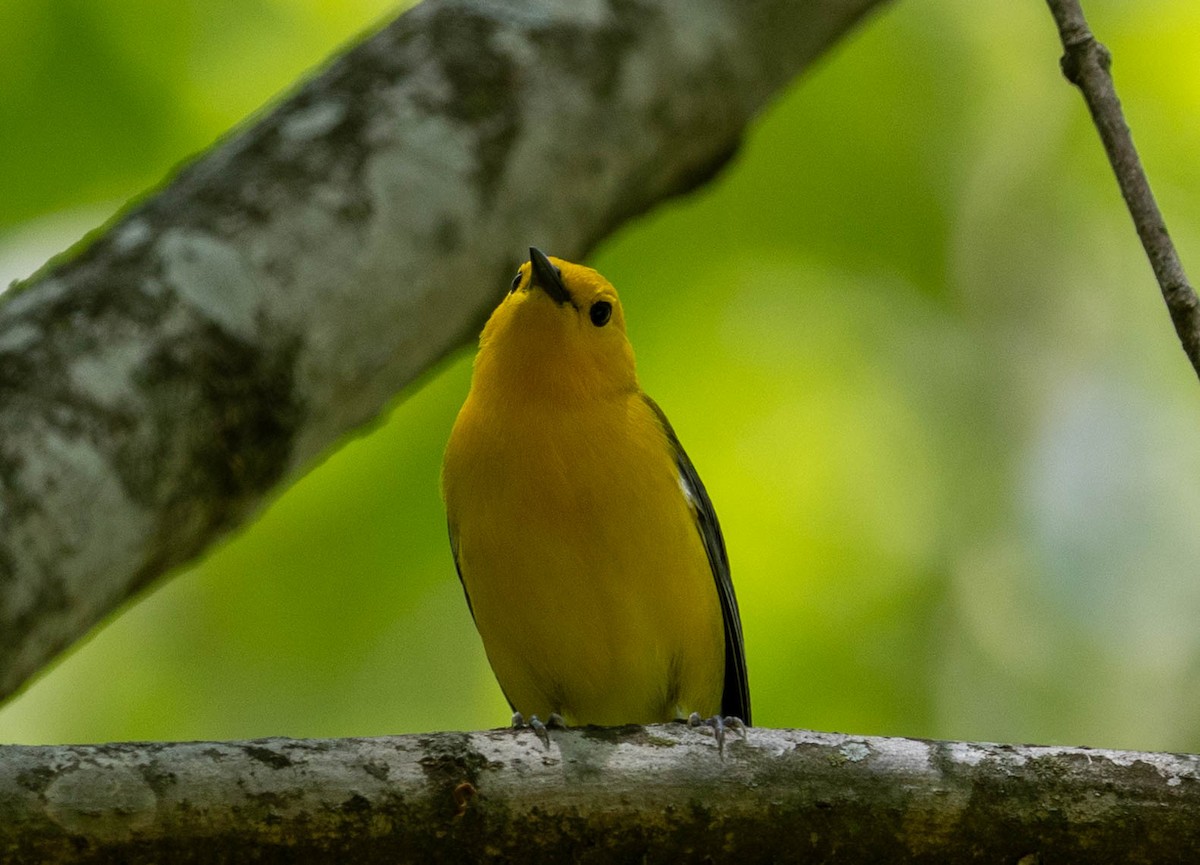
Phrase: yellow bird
{"type": "Point", "coordinates": [587, 546]}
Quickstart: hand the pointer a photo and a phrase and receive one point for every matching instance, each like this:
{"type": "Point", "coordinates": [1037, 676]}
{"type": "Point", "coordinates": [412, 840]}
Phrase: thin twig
{"type": "Point", "coordinates": [1086, 64]}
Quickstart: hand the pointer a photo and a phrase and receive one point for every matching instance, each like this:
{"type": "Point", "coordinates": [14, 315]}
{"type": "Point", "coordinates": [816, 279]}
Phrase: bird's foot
{"type": "Point", "coordinates": [542, 731]}
{"type": "Point", "coordinates": [719, 726]}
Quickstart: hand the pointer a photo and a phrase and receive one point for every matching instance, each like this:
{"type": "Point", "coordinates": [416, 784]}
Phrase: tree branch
{"type": "Point", "coordinates": [1086, 64]}
{"type": "Point", "coordinates": [596, 795]}
{"type": "Point", "coordinates": [211, 343]}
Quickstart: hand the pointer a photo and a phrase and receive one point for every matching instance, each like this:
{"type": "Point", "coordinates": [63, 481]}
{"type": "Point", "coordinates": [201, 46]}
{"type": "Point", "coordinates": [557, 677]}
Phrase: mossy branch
{"type": "Point", "coordinates": [654, 794]}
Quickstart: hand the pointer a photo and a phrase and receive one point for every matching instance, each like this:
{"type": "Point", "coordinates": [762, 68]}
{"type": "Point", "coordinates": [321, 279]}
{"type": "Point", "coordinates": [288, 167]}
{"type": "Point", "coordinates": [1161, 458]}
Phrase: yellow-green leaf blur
{"type": "Point", "coordinates": [908, 337]}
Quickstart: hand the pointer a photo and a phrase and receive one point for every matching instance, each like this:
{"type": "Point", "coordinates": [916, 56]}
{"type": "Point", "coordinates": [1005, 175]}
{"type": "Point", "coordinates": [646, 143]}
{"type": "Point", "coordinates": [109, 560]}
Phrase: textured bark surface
{"type": "Point", "coordinates": [656, 794]}
{"type": "Point", "coordinates": [212, 342]}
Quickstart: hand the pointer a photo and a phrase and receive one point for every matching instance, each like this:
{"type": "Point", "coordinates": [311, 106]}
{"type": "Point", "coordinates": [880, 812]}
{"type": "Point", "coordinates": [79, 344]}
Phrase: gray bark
{"type": "Point", "coordinates": [657, 794]}
{"type": "Point", "coordinates": [211, 343]}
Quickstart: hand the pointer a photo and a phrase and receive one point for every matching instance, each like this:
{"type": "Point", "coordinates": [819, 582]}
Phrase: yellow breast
{"type": "Point", "coordinates": [582, 561]}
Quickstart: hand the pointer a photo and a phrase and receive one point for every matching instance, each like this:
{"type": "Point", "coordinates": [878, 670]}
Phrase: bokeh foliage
{"type": "Point", "coordinates": [908, 338]}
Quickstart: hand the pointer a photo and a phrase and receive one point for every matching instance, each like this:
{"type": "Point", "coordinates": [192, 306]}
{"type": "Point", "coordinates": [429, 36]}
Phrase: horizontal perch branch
{"type": "Point", "coordinates": [636, 794]}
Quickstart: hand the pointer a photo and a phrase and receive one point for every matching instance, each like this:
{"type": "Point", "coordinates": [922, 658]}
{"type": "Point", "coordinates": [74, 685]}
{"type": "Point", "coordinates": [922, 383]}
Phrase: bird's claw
{"type": "Point", "coordinates": [719, 726]}
{"type": "Point", "coordinates": [541, 730]}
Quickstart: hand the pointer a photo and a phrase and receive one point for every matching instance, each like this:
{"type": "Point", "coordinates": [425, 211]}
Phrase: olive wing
{"type": "Point", "coordinates": [735, 698]}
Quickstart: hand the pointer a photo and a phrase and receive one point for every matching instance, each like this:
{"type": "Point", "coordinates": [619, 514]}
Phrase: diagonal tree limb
{"type": "Point", "coordinates": [209, 345]}
{"type": "Point", "coordinates": [1086, 64]}
{"type": "Point", "coordinates": [630, 794]}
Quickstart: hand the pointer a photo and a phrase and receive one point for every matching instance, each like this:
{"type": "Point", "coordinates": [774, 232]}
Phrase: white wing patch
{"type": "Point", "coordinates": [688, 492]}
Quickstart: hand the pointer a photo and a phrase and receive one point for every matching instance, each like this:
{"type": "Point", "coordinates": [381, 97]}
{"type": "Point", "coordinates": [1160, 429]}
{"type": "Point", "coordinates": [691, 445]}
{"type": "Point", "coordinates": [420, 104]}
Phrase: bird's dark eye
{"type": "Point", "coordinates": [600, 312]}
{"type": "Point", "coordinates": [516, 281]}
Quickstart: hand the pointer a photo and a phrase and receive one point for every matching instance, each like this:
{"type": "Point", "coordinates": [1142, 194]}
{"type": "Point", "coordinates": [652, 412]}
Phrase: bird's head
{"type": "Point", "coordinates": [560, 332]}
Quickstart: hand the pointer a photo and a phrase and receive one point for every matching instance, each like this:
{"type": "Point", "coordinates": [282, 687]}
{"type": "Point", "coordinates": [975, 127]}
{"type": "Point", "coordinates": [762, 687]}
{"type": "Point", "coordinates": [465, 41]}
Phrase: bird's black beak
{"type": "Point", "coordinates": [547, 277]}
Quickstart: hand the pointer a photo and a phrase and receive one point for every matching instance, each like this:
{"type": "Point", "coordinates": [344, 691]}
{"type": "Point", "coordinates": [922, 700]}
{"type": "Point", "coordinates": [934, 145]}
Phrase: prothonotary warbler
{"type": "Point", "coordinates": [587, 546]}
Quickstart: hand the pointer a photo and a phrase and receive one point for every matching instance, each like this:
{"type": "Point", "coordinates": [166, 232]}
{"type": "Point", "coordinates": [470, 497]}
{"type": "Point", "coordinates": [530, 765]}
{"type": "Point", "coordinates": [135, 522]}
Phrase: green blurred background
{"type": "Point", "coordinates": [908, 338]}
